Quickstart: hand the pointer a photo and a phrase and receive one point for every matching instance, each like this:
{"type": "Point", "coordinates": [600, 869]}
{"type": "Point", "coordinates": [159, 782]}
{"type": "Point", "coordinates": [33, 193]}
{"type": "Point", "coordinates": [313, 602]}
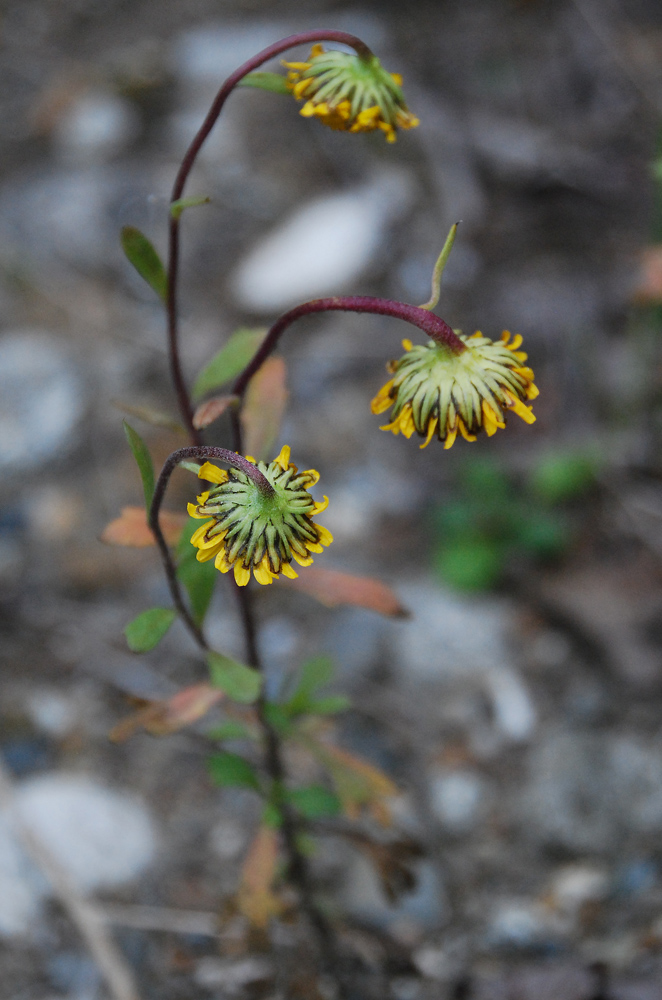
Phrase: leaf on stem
{"type": "Point", "coordinates": [163, 717]}
{"type": "Point", "coordinates": [154, 417]}
{"type": "Point", "coordinates": [143, 461]}
{"type": "Point", "coordinates": [332, 587]}
{"type": "Point", "coordinates": [199, 578]}
{"type": "Point", "coordinates": [230, 770]}
{"type": "Point", "coordinates": [314, 674]}
{"type": "Point", "coordinates": [263, 409]}
{"type": "Point", "coordinates": [256, 899]}
{"type": "Point", "coordinates": [230, 360]}
{"type": "Point", "coordinates": [148, 628]}
{"type": "Point", "coordinates": [273, 82]}
{"type": "Point", "coordinates": [315, 802]}
{"type": "Point", "coordinates": [239, 682]}
{"type": "Point", "coordinates": [140, 252]}
{"type": "Point", "coordinates": [130, 529]}
{"type": "Point", "coordinates": [357, 783]}
{"type": "Point", "coordinates": [211, 410]}
{"type": "Point", "coordinates": [177, 207]}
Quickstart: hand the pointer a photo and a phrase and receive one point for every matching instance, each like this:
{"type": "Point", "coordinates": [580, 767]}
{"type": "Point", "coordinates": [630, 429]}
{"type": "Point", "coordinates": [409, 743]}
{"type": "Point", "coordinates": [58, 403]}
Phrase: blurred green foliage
{"type": "Point", "coordinates": [496, 516]}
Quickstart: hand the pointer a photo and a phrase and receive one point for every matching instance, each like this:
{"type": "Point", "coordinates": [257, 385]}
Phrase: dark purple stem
{"type": "Point", "coordinates": [436, 328]}
{"type": "Point", "coordinates": [302, 38]}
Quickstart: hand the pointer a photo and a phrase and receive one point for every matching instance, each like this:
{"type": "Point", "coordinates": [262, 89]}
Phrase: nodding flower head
{"type": "Point", "coordinates": [350, 93]}
{"type": "Point", "coordinates": [249, 529]}
{"type": "Point", "coordinates": [437, 391]}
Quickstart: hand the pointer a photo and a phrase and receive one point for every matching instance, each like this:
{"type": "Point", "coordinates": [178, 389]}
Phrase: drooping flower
{"type": "Point", "coordinates": [350, 93]}
{"type": "Point", "coordinates": [249, 530]}
{"type": "Point", "coordinates": [437, 391]}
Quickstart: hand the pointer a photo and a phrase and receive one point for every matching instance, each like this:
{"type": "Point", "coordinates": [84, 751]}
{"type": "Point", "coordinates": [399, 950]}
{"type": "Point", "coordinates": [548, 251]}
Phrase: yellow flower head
{"type": "Point", "coordinates": [434, 390]}
{"type": "Point", "coordinates": [350, 93]}
{"type": "Point", "coordinates": [249, 530]}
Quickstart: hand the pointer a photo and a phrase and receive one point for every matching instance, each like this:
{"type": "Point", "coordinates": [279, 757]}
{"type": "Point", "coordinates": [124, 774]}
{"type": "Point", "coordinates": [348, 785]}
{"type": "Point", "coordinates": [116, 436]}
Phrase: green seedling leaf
{"type": "Point", "coordinates": [470, 563]}
{"type": "Point", "coordinates": [229, 770]}
{"type": "Point", "coordinates": [315, 802]}
{"type": "Point", "coordinates": [563, 476]}
{"type": "Point", "coordinates": [278, 717]}
{"type": "Point", "coordinates": [143, 460]}
{"type": "Point", "coordinates": [177, 207]}
{"type": "Point", "coordinates": [273, 82]}
{"type": "Point", "coordinates": [315, 673]}
{"type": "Point", "coordinates": [147, 630]}
{"type": "Point", "coordinates": [199, 578]}
{"type": "Point", "coordinates": [230, 730]}
{"type": "Point", "coordinates": [544, 534]}
{"type": "Point", "coordinates": [230, 360]}
{"type": "Point", "coordinates": [330, 706]}
{"type": "Point", "coordinates": [240, 683]}
{"type": "Point", "coordinates": [140, 252]}
{"type": "Point", "coordinates": [272, 817]}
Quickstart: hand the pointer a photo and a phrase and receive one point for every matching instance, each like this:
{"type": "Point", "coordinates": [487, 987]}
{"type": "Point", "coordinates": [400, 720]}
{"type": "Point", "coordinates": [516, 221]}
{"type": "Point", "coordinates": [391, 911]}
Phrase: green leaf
{"type": "Point", "coordinates": [177, 207]}
{"type": "Point", "coordinates": [544, 534]}
{"type": "Point", "coordinates": [147, 630]}
{"type": "Point", "coordinates": [191, 467]}
{"type": "Point", "coordinates": [331, 705]}
{"type": "Point", "coordinates": [199, 578]}
{"type": "Point", "coordinates": [278, 717]}
{"type": "Point", "coordinates": [144, 462]}
{"type": "Point", "coordinates": [230, 360]}
{"type": "Point", "coordinates": [272, 816]}
{"type": "Point", "coordinates": [315, 801]}
{"type": "Point", "coordinates": [229, 770]}
{"type": "Point", "coordinates": [273, 82]}
{"type": "Point", "coordinates": [563, 475]}
{"type": "Point", "coordinates": [470, 563]}
{"type": "Point", "coordinates": [229, 730]}
{"type": "Point", "coordinates": [315, 673]}
{"type": "Point", "coordinates": [240, 683]}
{"type": "Point", "coordinates": [140, 252]}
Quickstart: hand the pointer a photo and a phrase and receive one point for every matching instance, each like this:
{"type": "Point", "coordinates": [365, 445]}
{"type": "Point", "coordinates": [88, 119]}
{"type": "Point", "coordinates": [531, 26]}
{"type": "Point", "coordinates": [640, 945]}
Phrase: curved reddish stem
{"type": "Point", "coordinates": [303, 38]}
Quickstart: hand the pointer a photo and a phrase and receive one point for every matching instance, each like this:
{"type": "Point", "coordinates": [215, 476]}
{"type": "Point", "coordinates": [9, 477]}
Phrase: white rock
{"type": "Point", "coordinates": [457, 798]}
{"type": "Point", "coordinates": [52, 712]}
{"type": "Point", "coordinates": [232, 974]}
{"type": "Point", "coordinates": [514, 713]}
{"type": "Point", "coordinates": [362, 895]}
{"type": "Point", "coordinates": [574, 885]}
{"type": "Point", "coordinates": [40, 399]}
{"type": "Point", "coordinates": [94, 127]}
{"type": "Point", "coordinates": [100, 836]}
{"type": "Point", "coordinates": [519, 924]}
{"type": "Point", "coordinates": [323, 248]}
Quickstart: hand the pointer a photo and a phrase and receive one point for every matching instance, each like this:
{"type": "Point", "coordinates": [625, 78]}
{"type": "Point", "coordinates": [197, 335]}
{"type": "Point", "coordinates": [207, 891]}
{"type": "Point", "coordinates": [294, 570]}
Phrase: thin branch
{"type": "Point", "coordinates": [85, 915]}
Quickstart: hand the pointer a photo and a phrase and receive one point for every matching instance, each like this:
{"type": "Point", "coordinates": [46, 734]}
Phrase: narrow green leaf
{"type": "Point", "coordinates": [199, 578]}
{"type": "Point", "coordinates": [147, 630]}
{"type": "Point", "coordinates": [140, 252]}
{"type": "Point", "coordinates": [331, 705]}
{"type": "Point", "coordinates": [190, 467]}
{"type": "Point", "coordinates": [240, 683]}
{"type": "Point", "coordinates": [278, 717]}
{"type": "Point", "coordinates": [315, 673]}
{"type": "Point", "coordinates": [150, 416]}
{"type": "Point", "coordinates": [315, 801]}
{"type": "Point", "coordinates": [230, 360]}
{"type": "Point", "coordinates": [177, 207]}
{"type": "Point", "coordinates": [229, 730]}
{"type": "Point", "coordinates": [272, 816]}
{"type": "Point", "coordinates": [144, 462]}
{"type": "Point", "coordinates": [229, 770]}
{"type": "Point", "coordinates": [273, 82]}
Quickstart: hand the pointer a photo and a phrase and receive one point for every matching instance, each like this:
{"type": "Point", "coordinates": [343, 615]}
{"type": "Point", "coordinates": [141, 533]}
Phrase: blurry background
{"type": "Point", "coordinates": [519, 709]}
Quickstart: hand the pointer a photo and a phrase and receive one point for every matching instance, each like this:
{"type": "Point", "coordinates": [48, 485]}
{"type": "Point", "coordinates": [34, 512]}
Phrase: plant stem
{"type": "Point", "coordinates": [302, 38]}
{"type": "Point", "coordinates": [435, 327]}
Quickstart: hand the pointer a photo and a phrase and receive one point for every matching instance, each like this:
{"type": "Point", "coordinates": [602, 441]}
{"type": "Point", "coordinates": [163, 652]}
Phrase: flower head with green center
{"type": "Point", "coordinates": [350, 93]}
{"type": "Point", "coordinates": [437, 390]}
{"type": "Point", "coordinates": [251, 529]}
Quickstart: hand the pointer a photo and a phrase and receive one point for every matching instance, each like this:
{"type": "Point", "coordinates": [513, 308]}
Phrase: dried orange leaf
{"type": "Point", "coordinates": [163, 717]}
{"type": "Point", "coordinates": [211, 410]}
{"type": "Point", "coordinates": [649, 285]}
{"type": "Point", "coordinates": [357, 782]}
{"type": "Point", "coordinates": [255, 898]}
{"type": "Point", "coordinates": [131, 528]}
{"type": "Point", "coordinates": [331, 587]}
{"type": "Point", "coordinates": [263, 409]}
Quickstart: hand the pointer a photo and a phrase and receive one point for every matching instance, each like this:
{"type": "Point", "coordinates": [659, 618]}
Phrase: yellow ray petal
{"type": "Point", "coordinates": [324, 535]}
{"type": "Point", "coordinates": [283, 458]}
{"type": "Point", "coordinates": [320, 505]}
{"type": "Point", "coordinates": [464, 432]}
{"type": "Point", "coordinates": [525, 412]}
{"type": "Point", "coordinates": [263, 574]}
{"type": "Point", "coordinates": [241, 574]}
{"type": "Point", "coordinates": [212, 473]}
{"type": "Point", "coordinates": [221, 562]}
{"type": "Point", "coordinates": [287, 570]}
{"type": "Point", "coordinates": [193, 511]}
{"type": "Point", "coordinates": [302, 561]}
{"type": "Point", "coordinates": [431, 429]}
{"type": "Point", "coordinates": [407, 344]}
{"type": "Point", "coordinates": [450, 438]}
